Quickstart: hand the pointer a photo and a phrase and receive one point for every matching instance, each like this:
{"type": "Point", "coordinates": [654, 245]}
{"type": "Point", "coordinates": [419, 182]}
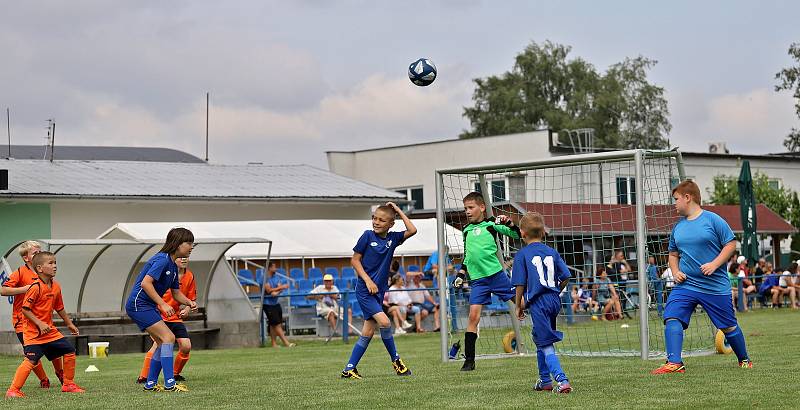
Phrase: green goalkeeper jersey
{"type": "Point", "coordinates": [480, 247]}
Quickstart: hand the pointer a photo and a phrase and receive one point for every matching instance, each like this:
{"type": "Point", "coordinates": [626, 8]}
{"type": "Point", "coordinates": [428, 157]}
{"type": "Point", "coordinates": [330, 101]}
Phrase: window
{"type": "Point", "coordinates": [412, 194]}
{"type": "Point", "coordinates": [626, 190]}
{"type": "Point", "coordinates": [498, 190]}
{"type": "Point", "coordinates": [774, 183]}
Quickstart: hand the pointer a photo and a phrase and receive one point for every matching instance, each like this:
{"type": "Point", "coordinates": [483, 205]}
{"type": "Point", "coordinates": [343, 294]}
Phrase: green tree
{"type": "Point", "coordinates": [789, 80]}
{"type": "Point", "coordinates": [783, 201]}
{"type": "Point", "coordinates": [548, 88]}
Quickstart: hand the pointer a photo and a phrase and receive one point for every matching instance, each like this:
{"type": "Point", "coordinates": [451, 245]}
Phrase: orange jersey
{"type": "Point", "coordinates": [187, 287]}
{"type": "Point", "coordinates": [23, 276]}
{"type": "Point", "coordinates": [42, 300]}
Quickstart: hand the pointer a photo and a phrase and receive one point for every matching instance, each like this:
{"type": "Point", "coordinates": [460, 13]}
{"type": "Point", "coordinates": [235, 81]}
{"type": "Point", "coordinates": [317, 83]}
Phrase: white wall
{"type": "Point", "coordinates": [88, 218]}
{"type": "Point", "coordinates": [415, 165]}
{"type": "Point", "coordinates": [703, 169]}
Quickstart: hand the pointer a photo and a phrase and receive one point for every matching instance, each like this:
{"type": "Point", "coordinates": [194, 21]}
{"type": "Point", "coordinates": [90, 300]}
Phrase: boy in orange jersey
{"type": "Point", "coordinates": [175, 322]}
{"type": "Point", "coordinates": [17, 284]}
{"type": "Point", "coordinates": [41, 338]}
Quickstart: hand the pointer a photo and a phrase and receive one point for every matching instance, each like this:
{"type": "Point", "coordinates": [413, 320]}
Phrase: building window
{"type": "Point", "coordinates": [626, 190]}
{"type": "Point", "coordinates": [774, 183]}
{"type": "Point", "coordinates": [412, 194]}
{"type": "Point", "coordinates": [499, 192]}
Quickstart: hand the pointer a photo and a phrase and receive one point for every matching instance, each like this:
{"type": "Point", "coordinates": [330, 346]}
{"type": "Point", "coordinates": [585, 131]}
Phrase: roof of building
{"type": "Point", "coordinates": [96, 153]}
{"type": "Point", "coordinates": [613, 218]}
{"type": "Point", "coordinates": [162, 180]}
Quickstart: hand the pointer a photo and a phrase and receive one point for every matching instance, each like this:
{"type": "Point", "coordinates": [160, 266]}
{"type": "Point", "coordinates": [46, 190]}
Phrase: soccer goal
{"type": "Point", "coordinates": [603, 211]}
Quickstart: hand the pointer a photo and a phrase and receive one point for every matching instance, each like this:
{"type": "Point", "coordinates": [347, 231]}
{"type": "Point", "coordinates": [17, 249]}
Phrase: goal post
{"type": "Point", "coordinates": [595, 205]}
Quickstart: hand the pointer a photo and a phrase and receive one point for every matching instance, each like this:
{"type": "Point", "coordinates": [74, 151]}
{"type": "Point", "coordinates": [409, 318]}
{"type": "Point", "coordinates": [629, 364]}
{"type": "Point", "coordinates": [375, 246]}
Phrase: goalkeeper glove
{"type": "Point", "coordinates": [458, 282]}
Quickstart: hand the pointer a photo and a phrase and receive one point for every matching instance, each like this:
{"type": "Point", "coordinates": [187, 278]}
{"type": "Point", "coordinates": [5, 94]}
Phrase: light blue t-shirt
{"type": "Point", "coordinates": [698, 242]}
{"type": "Point", "coordinates": [273, 282]}
{"type": "Point", "coordinates": [434, 260]}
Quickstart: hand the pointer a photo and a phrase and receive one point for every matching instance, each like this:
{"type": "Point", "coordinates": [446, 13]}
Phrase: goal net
{"type": "Point", "coordinates": [606, 213]}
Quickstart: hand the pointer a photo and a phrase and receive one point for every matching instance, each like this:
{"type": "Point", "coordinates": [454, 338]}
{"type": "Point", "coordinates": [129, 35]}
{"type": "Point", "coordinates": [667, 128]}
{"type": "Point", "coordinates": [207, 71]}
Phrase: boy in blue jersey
{"type": "Point", "coordinates": [158, 275]}
{"type": "Point", "coordinates": [482, 267]}
{"type": "Point", "coordinates": [540, 274]}
{"type": "Point", "coordinates": [699, 246]}
{"type": "Point", "coordinates": [372, 258]}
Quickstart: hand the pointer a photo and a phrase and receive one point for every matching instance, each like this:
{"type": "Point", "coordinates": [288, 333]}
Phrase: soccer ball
{"type": "Point", "coordinates": [422, 72]}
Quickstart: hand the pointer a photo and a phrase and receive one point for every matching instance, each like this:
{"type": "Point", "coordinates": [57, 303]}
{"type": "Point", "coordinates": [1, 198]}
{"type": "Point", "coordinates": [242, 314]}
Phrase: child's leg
{"type": "Point", "coordinates": [184, 347]}
{"type": "Point", "coordinates": [38, 370]}
{"type": "Point", "coordinates": [22, 373]}
{"type": "Point", "coordinates": [58, 366]}
{"type": "Point", "coordinates": [471, 335]}
{"type": "Point", "coordinates": [544, 370]}
{"type": "Point", "coordinates": [69, 368]}
{"type": "Point", "coordinates": [147, 358]}
{"type": "Point", "coordinates": [167, 363]}
{"type": "Point", "coordinates": [361, 345]}
{"type": "Point", "coordinates": [673, 339]}
{"type": "Point", "coordinates": [386, 335]}
{"type": "Point", "coordinates": [553, 364]}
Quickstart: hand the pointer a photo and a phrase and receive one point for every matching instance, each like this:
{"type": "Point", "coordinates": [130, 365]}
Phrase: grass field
{"type": "Point", "coordinates": [307, 376]}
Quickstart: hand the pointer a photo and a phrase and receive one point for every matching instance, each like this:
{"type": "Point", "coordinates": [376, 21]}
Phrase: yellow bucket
{"type": "Point", "coordinates": [98, 349]}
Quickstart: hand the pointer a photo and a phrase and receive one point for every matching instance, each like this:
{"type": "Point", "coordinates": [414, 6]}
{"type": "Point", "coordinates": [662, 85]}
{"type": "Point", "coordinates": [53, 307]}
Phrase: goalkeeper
{"type": "Point", "coordinates": [482, 267]}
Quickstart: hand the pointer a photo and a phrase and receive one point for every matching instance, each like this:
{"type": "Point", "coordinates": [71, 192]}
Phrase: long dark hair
{"type": "Point", "coordinates": [175, 238]}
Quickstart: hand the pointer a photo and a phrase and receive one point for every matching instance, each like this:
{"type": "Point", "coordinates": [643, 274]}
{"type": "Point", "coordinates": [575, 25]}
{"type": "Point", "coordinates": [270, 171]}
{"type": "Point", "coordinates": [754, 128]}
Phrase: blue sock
{"type": "Point", "coordinates": [554, 364]}
{"type": "Point", "coordinates": [736, 340]}
{"type": "Point", "coordinates": [166, 365]}
{"type": "Point", "coordinates": [388, 341]}
{"type": "Point", "coordinates": [155, 369]}
{"type": "Point", "coordinates": [358, 351]}
{"type": "Point", "coordinates": [673, 339]}
{"type": "Point", "coordinates": [544, 371]}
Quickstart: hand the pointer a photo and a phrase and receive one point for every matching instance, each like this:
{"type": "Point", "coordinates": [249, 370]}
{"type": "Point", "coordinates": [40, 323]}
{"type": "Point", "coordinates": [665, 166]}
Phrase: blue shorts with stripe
{"type": "Point", "coordinates": [681, 303]}
{"type": "Point", "coordinates": [480, 290]}
{"type": "Point", "coordinates": [370, 304]}
{"type": "Point", "coordinates": [144, 318]}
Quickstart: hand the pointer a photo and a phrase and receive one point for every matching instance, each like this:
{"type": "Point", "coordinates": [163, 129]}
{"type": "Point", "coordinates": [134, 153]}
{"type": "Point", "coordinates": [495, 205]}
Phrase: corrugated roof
{"type": "Point", "coordinates": [128, 179]}
{"type": "Point", "coordinates": [96, 153]}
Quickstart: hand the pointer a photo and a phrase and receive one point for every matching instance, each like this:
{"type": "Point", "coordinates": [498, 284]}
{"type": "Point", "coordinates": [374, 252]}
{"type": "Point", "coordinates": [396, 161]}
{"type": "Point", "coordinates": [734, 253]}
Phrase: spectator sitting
{"type": "Point", "coordinates": [582, 298]}
{"type": "Point", "coordinates": [607, 296]}
{"type": "Point", "coordinates": [423, 300]}
{"type": "Point", "coordinates": [786, 283]}
{"type": "Point", "coordinates": [794, 271]}
{"type": "Point", "coordinates": [431, 268]}
{"type": "Point", "coordinates": [400, 298]}
{"type": "Point", "coordinates": [328, 305]}
{"type": "Point", "coordinates": [393, 311]}
{"type": "Point", "coordinates": [770, 286]}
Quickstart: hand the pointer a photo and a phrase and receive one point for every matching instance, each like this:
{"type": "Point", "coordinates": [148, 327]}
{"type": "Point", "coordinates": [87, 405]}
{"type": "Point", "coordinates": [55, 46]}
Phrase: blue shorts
{"type": "Point", "coordinates": [681, 304]}
{"type": "Point", "coordinates": [370, 304]}
{"type": "Point", "coordinates": [544, 310]}
{"type": "Point", "coordinates": [178, 329]}
{"type": "Point", "coordinates": [480, 290]}
{"type": "Point", "coordinates": [52, 350]}
{"type": "Point", "coordinates": [144, 318]}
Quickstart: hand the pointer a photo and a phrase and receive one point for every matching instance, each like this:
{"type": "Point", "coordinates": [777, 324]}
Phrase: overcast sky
{"type": "Point", "coordinates": [292, 79]}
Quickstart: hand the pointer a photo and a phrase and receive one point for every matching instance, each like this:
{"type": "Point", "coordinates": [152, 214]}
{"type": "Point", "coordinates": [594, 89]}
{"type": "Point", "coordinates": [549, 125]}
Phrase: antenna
{"type": "Point", "coordinates": [53, 142]}
{"type": "Point", "coordinates": [8, 127]}
{"type": "Point", "coordinates": [207, 104]}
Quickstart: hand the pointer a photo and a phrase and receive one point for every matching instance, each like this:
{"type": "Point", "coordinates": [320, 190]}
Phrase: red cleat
{"type": "Point", "coordinates": [14, 394]}
{"type": "Point", "coordinates": [45, 383]}
{"type": "Point", "coordinates": [670, 368]}
{"type": "Point", "coordinates": [72, 388]}
{"type": "Point", "coordinates": [746, 364]}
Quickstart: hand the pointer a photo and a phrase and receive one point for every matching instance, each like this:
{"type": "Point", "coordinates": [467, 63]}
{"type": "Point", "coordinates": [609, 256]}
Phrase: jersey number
{"type": "Point", "coordinates": [546, 276]}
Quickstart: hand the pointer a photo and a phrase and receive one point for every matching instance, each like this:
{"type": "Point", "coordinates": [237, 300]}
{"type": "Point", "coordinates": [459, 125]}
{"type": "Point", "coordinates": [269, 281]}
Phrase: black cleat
{"type": "Point", "coordinates": [400, 368]}
{"type": "Point", "coordinates": [469, 365]}
{"type": "Point", "coordinates": [141, 380]}
{"type": "Point", "coordinates": [351, 374]}
{"type": "Point", "coordinates": [179, 378]}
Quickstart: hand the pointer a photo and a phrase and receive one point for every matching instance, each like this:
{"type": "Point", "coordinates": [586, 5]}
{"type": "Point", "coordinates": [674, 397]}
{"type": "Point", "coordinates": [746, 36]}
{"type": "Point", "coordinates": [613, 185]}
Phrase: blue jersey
{"type": "Point", "coordinates": [376, 256]}
{"type": "Point", "coordinates": [164, 272]}
{"type": "Point", "coordinates": [273, 282]}
{"type": "Point", "coordinates": [770, 280]}
{"type": "Point", "coordinates": [540, 269]}
{"type": "Point", "coordinates": [698, 242]}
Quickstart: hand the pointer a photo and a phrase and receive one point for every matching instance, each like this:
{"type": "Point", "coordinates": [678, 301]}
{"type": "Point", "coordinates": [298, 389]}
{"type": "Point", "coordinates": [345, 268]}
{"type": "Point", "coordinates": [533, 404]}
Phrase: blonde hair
{"type": "Point", "coordinates": [532, 224]}
{"type": "Point", "coordinates": [25, 247]}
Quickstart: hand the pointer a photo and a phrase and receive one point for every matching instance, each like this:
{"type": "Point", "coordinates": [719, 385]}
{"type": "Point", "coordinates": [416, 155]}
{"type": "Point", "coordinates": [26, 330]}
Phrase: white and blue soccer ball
{"type": "Point", "coordinates": [422, 72]}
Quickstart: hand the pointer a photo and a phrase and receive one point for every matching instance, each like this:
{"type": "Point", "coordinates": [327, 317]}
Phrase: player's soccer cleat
{"type": "Point", "coordinates": [670, 368]}
{"type": "Point", "coordinates": [562, 388]}
{"type": "Point", "coordinates": [15, 394]}
{"type": "Point", "coordinates": [156, 388]}
{"type": "Point", "coordinates": [178, 387]}
{"type": "Point", "coordinates": [746, 364]}
{"type": "Point", "coordinates": [179, 378]}
{"type": "Point", "coordinates": [542, 386]}
{"type": "Point", "coordinates": [468, 366]}
{"type": "Point", "coordinates": [45, 384]}
{"type": "Point", "coordinates": [400, 368]}
{"type": "Point", "coordinates": [351, 374]}
{"type": "Point", "coordinates": [141, 380]}
{"type": "Point", "coordinates": [72, 388]}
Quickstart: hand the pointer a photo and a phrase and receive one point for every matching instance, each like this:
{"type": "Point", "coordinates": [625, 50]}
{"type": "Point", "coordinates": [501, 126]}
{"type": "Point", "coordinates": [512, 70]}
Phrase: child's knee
{"type": "Point", "coordinates": [184, 346]}
{"type": "Point", "coordinates": [728, 329]}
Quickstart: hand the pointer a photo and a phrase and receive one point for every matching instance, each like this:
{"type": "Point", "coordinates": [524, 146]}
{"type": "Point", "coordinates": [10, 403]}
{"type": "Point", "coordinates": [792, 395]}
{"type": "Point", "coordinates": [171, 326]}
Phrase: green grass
{"type": "Point", "coordinates": [307, 376]}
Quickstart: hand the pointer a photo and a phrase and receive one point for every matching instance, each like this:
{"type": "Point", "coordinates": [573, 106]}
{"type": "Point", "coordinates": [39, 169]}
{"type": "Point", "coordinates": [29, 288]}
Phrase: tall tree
{"type": "Point", "coordinates": [548, 88]}
{"type": "Point", "coordinates": [789, 80]}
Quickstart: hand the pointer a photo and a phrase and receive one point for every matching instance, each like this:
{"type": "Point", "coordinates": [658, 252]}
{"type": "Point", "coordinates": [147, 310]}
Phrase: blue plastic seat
{"type": "Point", "coordinates": [332, 271]}
{"type": "Point", "coordinates": [296, 274]}
{"type": "Point", "coordinates": [259, 275]}
{"type": "Point", "coordinates": [413, 268]}
{"type": "Point", "coordinates": [315, 273]}
{"type": "Point", "coordinates": [304, 285]}
{"type": "Point", "coordinates": [348, 272]}
{"type": "Point", "coordinates": [342, 284]}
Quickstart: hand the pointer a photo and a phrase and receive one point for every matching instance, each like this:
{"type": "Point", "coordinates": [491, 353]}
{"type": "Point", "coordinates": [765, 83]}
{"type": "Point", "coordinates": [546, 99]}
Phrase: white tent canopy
{"type": "Point", "coordinates": [291, 239]}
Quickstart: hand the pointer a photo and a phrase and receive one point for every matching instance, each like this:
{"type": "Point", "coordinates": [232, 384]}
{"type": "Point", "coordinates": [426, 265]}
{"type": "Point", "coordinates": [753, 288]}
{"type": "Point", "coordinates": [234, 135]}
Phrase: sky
{"type": "Point", "coordinates": [291, 80]}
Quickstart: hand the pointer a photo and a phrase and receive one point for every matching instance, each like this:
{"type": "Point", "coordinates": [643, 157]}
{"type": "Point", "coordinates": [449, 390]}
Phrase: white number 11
{"type": "Point", "coordinates": [546, 276]}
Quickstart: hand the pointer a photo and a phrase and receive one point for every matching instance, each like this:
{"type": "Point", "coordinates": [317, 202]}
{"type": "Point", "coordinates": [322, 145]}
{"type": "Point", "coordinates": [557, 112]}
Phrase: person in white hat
{"type": "Point", "coordinates": [327, 297]}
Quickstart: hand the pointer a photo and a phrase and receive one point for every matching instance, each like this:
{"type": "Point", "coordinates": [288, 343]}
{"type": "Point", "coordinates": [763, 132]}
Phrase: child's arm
{"type": "Point", "coordinates": [411, 230]}
{"type": "Point", "coordinates": [150, 290]}
{"type": "Point", "coordinates": [505, 226]}
{"type": "Point", "coordinates": [43, 327]}
{"type": "Point", "coordinates": [724, 256]}
{"type": "Point", "coordinates": [356, 262]}
{"type": "Point", "coordinates": [183, 300]}
{"type": "Point", "coordinates": [519, 303]}
{"type": "Point", "coordinates": [12, 291]}
{"type": "Point", "coordinates": [65, 317]}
